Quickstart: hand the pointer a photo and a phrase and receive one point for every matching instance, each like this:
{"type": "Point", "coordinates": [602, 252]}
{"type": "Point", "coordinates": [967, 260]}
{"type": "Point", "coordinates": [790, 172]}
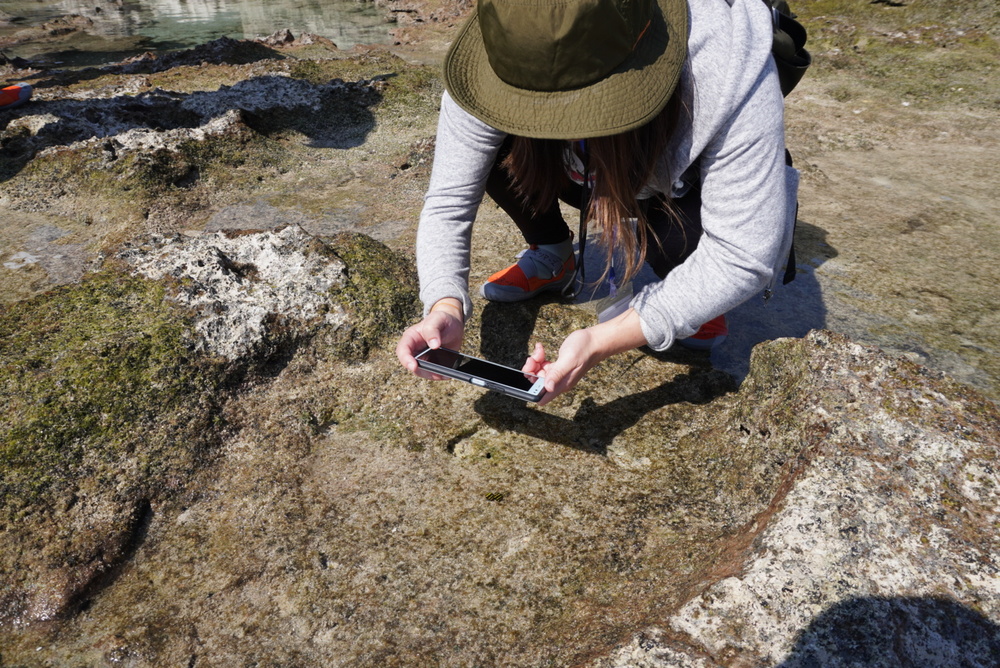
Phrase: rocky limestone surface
{"type": "Point", "coordinates": [882, 548]}
{"type": "Point", "coordinates": [151, 118]}
{"type": "Point", "coordinates": [241, 285]}
{"type": "Point", "coordinates": [228, 135]}
{"type": "Point", "coordinates": [300, 500]}
{"type": "Point", "coordinates": [343, 512]}
{"type": "Point", "coordinates": [115, 389]}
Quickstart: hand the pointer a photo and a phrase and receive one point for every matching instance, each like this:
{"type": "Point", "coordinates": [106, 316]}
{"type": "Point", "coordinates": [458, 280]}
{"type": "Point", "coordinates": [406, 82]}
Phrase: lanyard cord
{"type": "Point", "coordinates": [570, 291]}
{"type": "Point", "coordinates": [612, 281]}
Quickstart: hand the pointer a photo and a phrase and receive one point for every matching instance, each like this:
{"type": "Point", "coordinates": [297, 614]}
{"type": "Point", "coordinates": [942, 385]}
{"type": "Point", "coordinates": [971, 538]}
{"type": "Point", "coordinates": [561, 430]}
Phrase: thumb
{"type": "Point", "coordinates": [431, 333]}
{"type": "Point", "coordinates": [554, 375]}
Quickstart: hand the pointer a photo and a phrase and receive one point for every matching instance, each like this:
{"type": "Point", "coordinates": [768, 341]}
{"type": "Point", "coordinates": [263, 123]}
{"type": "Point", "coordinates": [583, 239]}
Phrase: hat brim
{"type": "Point", "coordinates": [627, 98]}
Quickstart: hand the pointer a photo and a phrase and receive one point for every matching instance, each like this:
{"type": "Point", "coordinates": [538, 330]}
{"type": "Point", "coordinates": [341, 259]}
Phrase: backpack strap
{"type": "Point", "coordinates": [790, 265]}
{"type": "Point", "coordinates": [788, 49]}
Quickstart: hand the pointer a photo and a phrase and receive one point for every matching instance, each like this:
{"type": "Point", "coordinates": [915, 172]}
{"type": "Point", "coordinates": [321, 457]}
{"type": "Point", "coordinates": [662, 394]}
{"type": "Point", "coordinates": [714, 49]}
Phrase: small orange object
{"type": "Point", "coordinates": [14, 96]}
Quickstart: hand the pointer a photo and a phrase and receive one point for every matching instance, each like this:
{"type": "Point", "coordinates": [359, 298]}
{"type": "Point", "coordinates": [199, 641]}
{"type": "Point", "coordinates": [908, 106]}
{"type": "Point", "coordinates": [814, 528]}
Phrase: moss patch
{"type": "Point", "coordinates": [98, 386]}
{"type": "Point", "coordinates": [381, 291]}
{"type": "Point", "coordinates": [934, 53]}
{"type": "Point", "coordinates": [124, 188]}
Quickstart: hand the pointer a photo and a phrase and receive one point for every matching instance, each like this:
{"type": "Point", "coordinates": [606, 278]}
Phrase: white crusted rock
{"type": "Point", "coordinates": [242, 285]}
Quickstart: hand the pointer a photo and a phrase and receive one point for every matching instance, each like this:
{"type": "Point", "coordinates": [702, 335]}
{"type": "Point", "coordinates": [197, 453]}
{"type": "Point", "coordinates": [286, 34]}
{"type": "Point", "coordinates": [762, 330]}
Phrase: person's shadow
{"type": "Point", "coordinates": [792, 311]}
{"type": "Point", "coordinates": [923, 632]}
{"type": "Point", "coordinates": [505, 333]}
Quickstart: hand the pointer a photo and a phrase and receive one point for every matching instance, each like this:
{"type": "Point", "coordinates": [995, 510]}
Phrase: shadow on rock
{"type": "Point", "coordinates": [505, 335]}
{"type": "Point", "coordinates": [595, 426]}
{"type": "Point", "coordinates": [224, 50]}
{"type": "Point", "coordinates": [792, 311]}
{"type": "Point", "coordinates": [332, 115]}
{"type": "Point", "coordinates": [899, 631]}
{"type": "Point", "coordinates": [506, 329]}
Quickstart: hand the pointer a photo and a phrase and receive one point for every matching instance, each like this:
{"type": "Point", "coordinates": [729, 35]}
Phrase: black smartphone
{"type": "Point", "coordinates": [492, 376]}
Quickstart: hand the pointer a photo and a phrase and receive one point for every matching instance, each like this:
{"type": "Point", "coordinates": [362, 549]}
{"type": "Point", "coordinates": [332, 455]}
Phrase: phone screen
{"type": "Point", "coordinates": [479, 368]}
{"type": "Point", "coordinates": [490, 375]}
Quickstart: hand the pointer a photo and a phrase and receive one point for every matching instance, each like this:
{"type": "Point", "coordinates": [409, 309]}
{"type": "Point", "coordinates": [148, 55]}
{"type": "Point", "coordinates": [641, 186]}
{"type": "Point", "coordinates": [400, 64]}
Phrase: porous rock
{"type": "Point", "coordinates": [221, 50]}
{"type": "Point", "coordinates": [838, 489]}
{"type": "Point", "coordinates": [163, 119]}
{"type": "Point", "coordinates": [245, 285]}
{"type": "Point", "coordinates": [846, 454]}
{"type": "Point", "coordinates": [881, 547]}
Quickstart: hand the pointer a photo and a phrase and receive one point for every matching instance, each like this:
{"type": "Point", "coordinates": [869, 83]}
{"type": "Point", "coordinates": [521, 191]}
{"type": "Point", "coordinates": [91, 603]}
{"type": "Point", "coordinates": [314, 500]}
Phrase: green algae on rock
{"type": "Point", "coordinates": [272, 289]}
{"type": "Point", "coordinates": [105, 409]}
{"type": "Point", "coordinates": [157, 146]}
{"type": "Point", "coordinates": [115, 388]}
{"type": "Point", "coordinates": [510, 539]}
{"type": "Point", "coordinates": [934, 53]}
{"type": "Point", "coordinates": [380, 292]}
{"type": "Point", "coordinates": [401, 523]}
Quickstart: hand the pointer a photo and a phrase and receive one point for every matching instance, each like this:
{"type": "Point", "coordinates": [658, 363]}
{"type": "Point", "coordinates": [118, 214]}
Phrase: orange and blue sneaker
{"type": "Point", "coordinates": [14, 96]}
{"type": "Point", "coordinates": [708, 336]}
{"type": "Point", "coordinates": [537, 269]}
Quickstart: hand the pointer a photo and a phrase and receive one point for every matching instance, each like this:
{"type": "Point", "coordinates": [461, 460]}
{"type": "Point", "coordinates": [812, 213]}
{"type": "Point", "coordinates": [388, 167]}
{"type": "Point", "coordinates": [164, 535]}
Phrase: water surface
{"type": "Point", "coordinates": [120, 28]}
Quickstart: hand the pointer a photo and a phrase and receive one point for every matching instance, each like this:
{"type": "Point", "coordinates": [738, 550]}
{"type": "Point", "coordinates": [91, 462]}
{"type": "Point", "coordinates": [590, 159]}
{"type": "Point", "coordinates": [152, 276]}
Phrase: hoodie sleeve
{"type": "Point", "coordinates": [464, 153]}
{"type": "Point", "coordinates": [737, 137]}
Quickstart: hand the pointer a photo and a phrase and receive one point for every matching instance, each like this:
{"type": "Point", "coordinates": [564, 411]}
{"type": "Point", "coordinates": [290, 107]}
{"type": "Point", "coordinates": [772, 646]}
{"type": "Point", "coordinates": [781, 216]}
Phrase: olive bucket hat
{"type": "Point", "coordinates": [568, 69]}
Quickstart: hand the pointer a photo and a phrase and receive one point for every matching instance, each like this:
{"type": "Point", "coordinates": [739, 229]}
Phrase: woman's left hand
{"type": "Point", "coordinates": [575, 359]}
{"type": "Point", "coordinates": [582, 350]}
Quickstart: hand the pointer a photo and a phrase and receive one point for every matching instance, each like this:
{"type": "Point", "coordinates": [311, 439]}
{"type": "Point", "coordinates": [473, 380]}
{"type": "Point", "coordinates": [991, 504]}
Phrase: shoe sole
{"type": "Point", "coordinates": [498, 294]}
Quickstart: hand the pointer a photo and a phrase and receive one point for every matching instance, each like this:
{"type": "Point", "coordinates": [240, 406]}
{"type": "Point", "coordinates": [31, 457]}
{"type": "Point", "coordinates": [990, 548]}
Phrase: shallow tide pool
{"type": "Point", "coordinates": [112, 30]}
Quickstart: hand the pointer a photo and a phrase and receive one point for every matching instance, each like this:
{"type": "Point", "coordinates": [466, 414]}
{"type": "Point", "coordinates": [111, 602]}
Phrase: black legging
{"type": "Point", "coordinates": [672, 239]}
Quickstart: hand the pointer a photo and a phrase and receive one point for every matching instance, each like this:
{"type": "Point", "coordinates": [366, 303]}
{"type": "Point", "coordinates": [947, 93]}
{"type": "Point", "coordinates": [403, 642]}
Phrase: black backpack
{"type": "Point", "coordinates": [788, 48]}
{"type": "Point", "coordinates": [792, 61]}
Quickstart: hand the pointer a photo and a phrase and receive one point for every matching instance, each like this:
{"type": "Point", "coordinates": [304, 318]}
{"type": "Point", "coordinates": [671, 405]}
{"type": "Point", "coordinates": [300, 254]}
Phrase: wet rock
{"type": "Point", "coordinates": [105, 409]}
{"type": "Point", "coordinates": [331, 509]}
{"type": "Point", "coordinates": [419, 11]}
{"type": "Point", "coordinates": [309, 39]}
{"type": "Point", "coordinates": [760, 526]}
{"type": "Point", "coordinates": [139, 154]}
{"type": "Point", "coordinates": [51, 30]}
{"type": "Point", "coordinates": [162, 119]}
{"type": "Point", "coordinates": [222, 50]}
{"type": "Point", "coordinates": [156, 157]}
{"type": "Point", "coordinates": [15, 63]}
{"type": "Point", "coordinates": [278, 38]}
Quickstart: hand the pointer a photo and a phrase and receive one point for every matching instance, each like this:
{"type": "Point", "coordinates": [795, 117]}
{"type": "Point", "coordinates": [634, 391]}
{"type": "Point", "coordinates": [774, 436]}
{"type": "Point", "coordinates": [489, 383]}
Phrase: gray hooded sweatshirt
{"type": "Point", "coordinates": [731, 131]}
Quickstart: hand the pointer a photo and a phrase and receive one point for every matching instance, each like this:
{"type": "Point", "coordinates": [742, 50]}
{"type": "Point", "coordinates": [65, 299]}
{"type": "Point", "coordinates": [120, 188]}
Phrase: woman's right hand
{"type": "Point", "coordinates": [443, 326]}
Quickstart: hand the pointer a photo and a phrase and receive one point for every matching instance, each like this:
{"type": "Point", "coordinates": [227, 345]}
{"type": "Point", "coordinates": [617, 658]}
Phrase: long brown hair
{"type": "Point", "coordinates": [623, 164]}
